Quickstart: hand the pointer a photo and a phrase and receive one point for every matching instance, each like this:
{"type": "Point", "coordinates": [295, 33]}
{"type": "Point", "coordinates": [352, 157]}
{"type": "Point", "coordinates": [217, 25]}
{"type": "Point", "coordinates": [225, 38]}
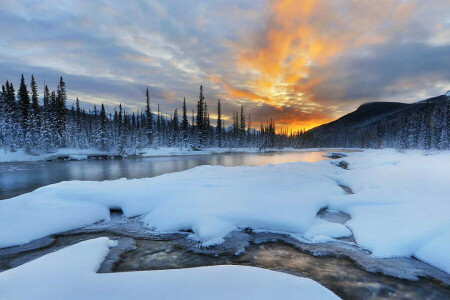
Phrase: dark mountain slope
{"type": "Point", "coordinates": [422, 124]}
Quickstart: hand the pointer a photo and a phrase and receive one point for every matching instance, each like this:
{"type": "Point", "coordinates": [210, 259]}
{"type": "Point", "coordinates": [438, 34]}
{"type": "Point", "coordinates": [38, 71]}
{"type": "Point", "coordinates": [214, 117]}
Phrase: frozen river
{"type": "Point", "coordinates": [341, 269]}
{"type": "Point", "coordinates": [22, 177]}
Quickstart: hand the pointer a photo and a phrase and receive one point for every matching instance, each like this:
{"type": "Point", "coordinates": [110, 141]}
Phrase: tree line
{"type": "Point", "coordinates": [425, 125]}
{"type": "Point", "coordinates": [47, 125]}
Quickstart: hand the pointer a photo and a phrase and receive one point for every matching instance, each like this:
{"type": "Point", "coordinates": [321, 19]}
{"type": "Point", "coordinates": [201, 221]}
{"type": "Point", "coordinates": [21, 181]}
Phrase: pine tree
{"type": "Point", "coordinates": [149, 119]}
{"type": "Point", "coordinates": [242, 126]}
{"type": "Point", "coordinates": [444, 136]}
{"type": "Point", "coordinates": [158, 127]}
{"type": "Point", "coordinates": [103, 137]}
{"type": "Point", "coordinates": [10, 126]}
{"type": "Point", "coordinates": [45, 133]}
{"type": "Point", "coordinates": [219, 125]}
{"type": "Point", "coordinates": [175, 127]}
{"type": "Point", "coordinates": [60, 112]}
{"type": "Point", "coordinates": [24, 106]}
{"type": "Point", "coordinates": [200, 119]}
{"type": "Point", "coordinates": [184, 123]}
{"type": "Point", "coordinates": [35, 114]}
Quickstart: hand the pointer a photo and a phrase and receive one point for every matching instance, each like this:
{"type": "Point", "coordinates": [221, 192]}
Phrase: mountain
{"type": "Point", "coordinates": [423, 124]}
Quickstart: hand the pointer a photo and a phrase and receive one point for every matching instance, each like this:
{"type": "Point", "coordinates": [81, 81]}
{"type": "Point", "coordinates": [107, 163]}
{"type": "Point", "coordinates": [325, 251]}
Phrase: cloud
{"type": "Point", "coordinates": [302, 63]}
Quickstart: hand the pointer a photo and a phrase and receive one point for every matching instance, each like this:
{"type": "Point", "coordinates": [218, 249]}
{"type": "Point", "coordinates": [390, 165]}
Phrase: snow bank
{"type": "Point", "coordinates": [210, 200]}
{"type": "Point", "coordinates": [21, 155]}
{"type": "Point", "coordinates": [172, 151]}
{"type": "Point", "coordinates": [78, 154]}
{"type": "Point", "coordinates": [400, 204]}
{"type": "Point", "coordinates": [70, 274]}
{"type": "Point", "coordinates": [77, 157]}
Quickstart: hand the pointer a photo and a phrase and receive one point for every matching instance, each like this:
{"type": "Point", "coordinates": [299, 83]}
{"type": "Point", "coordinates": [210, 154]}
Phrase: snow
{"type": "Point", "coordinates": [210, 200]}
{"type": "Point", "coordinates": [401, 204]}
{"type": "Point", "coordinates": [322, 228]}
{"type": "Point", "coordinates": [77, 157]}
{"type": "Point", "coordinates": [70, 273]}
{"type": "Point", "coordinates": [399, 207]}
{"type": "Point", "coordinates": [82, 154]}
{"type": "Point", "coordinates": [21, 155]}
{"type": "Point", "coordinates": [174, 151]}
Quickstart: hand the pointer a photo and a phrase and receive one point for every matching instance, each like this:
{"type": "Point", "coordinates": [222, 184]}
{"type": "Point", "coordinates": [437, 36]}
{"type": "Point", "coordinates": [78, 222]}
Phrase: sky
{"type": "Point", "coordinates": [302, 63]}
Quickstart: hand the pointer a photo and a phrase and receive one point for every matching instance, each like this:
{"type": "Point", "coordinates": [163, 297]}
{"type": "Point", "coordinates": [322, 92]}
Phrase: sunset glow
{"type": "Point", "coordinates": [302, 63]}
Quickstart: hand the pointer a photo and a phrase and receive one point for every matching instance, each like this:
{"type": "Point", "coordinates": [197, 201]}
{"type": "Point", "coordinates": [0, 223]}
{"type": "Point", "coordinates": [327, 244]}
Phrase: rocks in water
{"type": "Point", "coordinates": [335, 155]}
{"type": "Point", "coordinates": [341, 164]}
{"type": "Point", "coordinates": [77, 157]}
{"type": "Point", "coordinates": [123, 244]}
{"type": "Point", "coordinates": [86, 157]}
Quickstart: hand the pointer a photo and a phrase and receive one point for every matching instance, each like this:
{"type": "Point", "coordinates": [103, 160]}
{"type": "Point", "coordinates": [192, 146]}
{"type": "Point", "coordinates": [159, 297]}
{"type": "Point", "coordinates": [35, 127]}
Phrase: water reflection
{"type": "Point", "coordinates": [19, 178]}
{"type": "Point", "coordinates": [339, 275]}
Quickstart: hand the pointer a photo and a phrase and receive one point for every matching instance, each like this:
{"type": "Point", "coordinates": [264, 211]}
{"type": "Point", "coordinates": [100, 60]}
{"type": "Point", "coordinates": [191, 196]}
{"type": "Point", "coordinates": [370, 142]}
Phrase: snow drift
{"type": "Point", "coordinates": [399, 207]}
{"type": "Point", "coordinates": [70, 273]}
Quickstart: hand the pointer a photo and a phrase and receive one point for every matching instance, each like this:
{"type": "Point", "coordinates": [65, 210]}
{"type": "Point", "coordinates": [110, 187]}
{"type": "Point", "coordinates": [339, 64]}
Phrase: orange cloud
{"type": "Point", "coordinates": [234, 92]}
{"type": "Point", "coordinates": [303, 34]}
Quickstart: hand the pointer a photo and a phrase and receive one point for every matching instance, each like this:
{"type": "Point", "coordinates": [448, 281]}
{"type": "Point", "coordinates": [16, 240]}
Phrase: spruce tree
{"type": "Point", "coordinates": [35, 111]}
{"type": "Point", "coordinates": [219, 125]}
{"type": "Point", "coordinates": [184, 123]}
{"type": "Point", "coordinates": [24, 106]}
{"type": "Point", "coordinates": [158, 127]}
{"type": "Point", "coordinates": [103, 137]}
{"type": "Point", "coordinates": [149, 119]}
{"type": "Point", "coordinates": [175, 127]}
{"type": "Point", "coordinates": [60, 112]}
{"type": "Point", "coordinates": [242, 126]}
{"type": "Point", "coordinates": [200, 126]}
{"type": "Point", "coordinates": [45, 133]}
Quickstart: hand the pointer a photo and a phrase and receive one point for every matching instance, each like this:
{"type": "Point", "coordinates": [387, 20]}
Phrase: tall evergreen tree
{"type": "Point", "coordinates": [35, 111]}
{"type": "Point", "coordinates": [184, 123]}
{"type": "Point", "coordinates": [103, 137]}
{"type": "Point", "coordinates": [24, 106]}
{"type": "Point", "coordinates": [200, 118]}
{"type": "Point", "coordinates": [149, 119]}
{"type": "Point", "coordinates": [219, 132]}
{"type": "Point", "coordinates": [175, 127]}
{"type": "Point", "coordinates": [45, 133]}
{"type": "Point", "coordinates": [60, 112]}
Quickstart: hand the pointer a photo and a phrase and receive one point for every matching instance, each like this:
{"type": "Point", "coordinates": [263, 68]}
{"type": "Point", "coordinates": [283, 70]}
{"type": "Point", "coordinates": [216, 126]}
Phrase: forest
{"type": "Point", "coordinates": [44, 127]}
{"type": "Point", "coordinates": [46, 124]}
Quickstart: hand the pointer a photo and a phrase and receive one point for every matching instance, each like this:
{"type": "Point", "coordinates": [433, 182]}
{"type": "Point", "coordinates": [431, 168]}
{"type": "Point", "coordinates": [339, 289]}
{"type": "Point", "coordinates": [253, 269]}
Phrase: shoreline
{"type": "Point", "coordinates": [92, 154]}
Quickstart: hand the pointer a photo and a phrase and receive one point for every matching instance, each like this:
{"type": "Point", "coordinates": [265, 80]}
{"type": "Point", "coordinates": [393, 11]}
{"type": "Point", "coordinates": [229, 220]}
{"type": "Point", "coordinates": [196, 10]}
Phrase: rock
{"type": "Point", "coordinates": [335, 155]}
{"type": "Point", "coordinates": [341, 164]}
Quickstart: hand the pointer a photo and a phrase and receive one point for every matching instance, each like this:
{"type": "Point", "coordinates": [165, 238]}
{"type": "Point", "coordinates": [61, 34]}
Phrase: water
{"type": "Point", "coordinates": [343, 276]}
{"type": "Point", "coordinates": [23, 177]}
{"type": "Point", "coordinates": [340, 275]}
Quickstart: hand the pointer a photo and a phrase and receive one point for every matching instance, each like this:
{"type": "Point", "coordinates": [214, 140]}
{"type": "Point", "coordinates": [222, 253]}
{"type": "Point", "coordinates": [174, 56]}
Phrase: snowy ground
{"type": "Point", "coordinates": [21, 155]}
{"type": "Point", "coordinates": [71, 274]}
{"type": "Point", "coordinates": [82, 154]}
{"type": "Point", "coordinates": [399, 207]}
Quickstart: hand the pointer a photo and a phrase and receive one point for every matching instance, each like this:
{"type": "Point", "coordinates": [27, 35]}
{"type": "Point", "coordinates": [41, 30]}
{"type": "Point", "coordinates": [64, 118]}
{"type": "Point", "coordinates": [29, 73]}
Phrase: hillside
{"type": "Point", "coordinates": [423, 124]}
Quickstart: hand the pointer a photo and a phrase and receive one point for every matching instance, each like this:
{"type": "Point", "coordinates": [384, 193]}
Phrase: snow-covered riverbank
{"type": "Point", "coordinates": [83, 154]}
{"type": "Point", "coordinates": [71, 274]}
{"type": "Point", "coordinates": [399, 206]}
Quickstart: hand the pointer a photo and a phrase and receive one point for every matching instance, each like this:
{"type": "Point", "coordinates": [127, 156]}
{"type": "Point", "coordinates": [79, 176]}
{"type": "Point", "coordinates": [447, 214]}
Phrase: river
{"type": "Point", "coordinates": [330, 265]}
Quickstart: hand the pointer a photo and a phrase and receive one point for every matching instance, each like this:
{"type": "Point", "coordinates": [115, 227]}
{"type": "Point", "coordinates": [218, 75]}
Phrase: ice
{"type": "Point", "coordinates": [324, 228]}
{"type": "Point", "coordinates": [21, 155]}
{"type": "Point", "coordinates": [81, 154]}
{"type": "Point", "coordinates": [70, 273]}
{"type": "Point", "coordinates": [399, 208]}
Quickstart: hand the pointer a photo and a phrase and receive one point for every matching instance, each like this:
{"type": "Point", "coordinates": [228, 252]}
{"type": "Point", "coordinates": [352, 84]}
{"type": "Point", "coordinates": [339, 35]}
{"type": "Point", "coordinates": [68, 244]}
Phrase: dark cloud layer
{"type": "Point", "coordinates": [300, 62]}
